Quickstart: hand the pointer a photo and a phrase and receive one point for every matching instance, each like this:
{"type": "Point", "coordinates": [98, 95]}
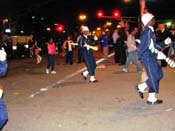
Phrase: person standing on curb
{"type": "Point", "coordinates": [37, 51]}
{"type": "Point", "coordinates": [69, 50]}
{"type": "Point", "coordinates": [51, 48]}
{"type": "Point", "coordinates": [115, 37]}
{"type": "Point", "coordinates": [105, 44]}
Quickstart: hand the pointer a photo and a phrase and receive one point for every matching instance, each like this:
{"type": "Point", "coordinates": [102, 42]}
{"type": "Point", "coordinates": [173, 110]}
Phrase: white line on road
{"type": "Point", "coordinates": [65, 78]}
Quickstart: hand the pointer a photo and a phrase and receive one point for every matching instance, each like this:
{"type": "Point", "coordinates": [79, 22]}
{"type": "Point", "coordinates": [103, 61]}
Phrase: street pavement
{"type": "Point", "coordinates": [66, 102]}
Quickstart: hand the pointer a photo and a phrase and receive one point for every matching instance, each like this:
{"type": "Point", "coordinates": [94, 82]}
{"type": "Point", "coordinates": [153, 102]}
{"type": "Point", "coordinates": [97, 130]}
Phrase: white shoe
{"type": "Point", "coordinates": [124, 70]}
{"type": "Point", "coordinates": [53, 72]}
{"type": "Point", "coordinates": [47, 71]}
{"type": "Point", "coordinates": [1, 93]}
{"type": "Point", "coordinates": [37, 62]}
{"type": "Point", "coordinates": [40, 58]}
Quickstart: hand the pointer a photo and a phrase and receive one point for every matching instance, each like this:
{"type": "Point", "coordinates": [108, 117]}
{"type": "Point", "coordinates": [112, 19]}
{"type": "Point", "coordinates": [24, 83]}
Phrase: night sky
{"type": "Point", "coordinates": [66, 11]}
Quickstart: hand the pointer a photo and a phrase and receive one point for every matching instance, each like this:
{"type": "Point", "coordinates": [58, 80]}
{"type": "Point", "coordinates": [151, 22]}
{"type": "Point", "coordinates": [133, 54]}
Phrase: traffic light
{"type": "Point", "coordinates": [59, 28]}
{"type": "Point", "coordinates": [116, 14]}
{"type": "Point", "coordinates": [100, 13]}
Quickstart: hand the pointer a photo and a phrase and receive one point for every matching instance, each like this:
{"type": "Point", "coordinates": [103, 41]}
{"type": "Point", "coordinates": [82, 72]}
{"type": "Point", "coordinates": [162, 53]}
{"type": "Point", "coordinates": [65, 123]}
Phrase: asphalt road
{"type": "Point", "coordinates": [66, 102]}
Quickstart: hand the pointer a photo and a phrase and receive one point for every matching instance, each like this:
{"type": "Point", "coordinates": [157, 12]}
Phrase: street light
{"type": "Point", "coordinates": [82, 17]}
{"type": "Point", "coordinates": [108, 23]}
{"type": "Point", "coordinates": [48, 29]}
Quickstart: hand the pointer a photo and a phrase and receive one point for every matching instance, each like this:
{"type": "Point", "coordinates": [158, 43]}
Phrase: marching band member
{"type": "Point", "coordinates": [3, 62]}
{"type": "Point", "coordinates": [148, 53]}
{"type": "Point", "coordinates": [3, 71]}
{"type": "Point", "coordinates": [3, 110]}
{"type": "Point", "coordinates": [87, 53]}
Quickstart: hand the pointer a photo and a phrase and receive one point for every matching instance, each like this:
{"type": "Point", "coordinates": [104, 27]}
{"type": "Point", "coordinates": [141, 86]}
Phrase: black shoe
{"type": "Point", "coordinates": [139, 92]}
{"type": "Point", "coordinates": [84, 77]}
{"type": "Point", "coordinates": [93, 81]}
{"type": "Point", "coordinates": [120, 64]}
{"type": "Point", "coordinates": [154, 103]}
{"type": "Point", "coordinates": [163, 66]}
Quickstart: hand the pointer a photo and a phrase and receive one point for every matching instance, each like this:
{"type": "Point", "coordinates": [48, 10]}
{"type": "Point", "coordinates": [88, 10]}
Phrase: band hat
{"type": "Point", "coordinates": [146, 18]}
{"type": "Point", "coordinates": [84, 28]}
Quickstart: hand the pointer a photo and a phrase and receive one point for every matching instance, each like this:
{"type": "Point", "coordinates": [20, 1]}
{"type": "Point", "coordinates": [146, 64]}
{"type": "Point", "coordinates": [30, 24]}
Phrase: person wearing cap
{"type": "Point", "coordinates": [87, 54]}
{"type": "Point", "coordinates": [148, 53]}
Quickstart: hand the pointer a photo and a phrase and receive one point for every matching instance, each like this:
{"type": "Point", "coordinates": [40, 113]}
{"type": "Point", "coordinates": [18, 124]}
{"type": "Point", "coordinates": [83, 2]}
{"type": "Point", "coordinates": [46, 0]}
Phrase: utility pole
{"type": "Point", "coordinates": [142, 7]}
{"type": "Point", "coordinates": [142, 11]}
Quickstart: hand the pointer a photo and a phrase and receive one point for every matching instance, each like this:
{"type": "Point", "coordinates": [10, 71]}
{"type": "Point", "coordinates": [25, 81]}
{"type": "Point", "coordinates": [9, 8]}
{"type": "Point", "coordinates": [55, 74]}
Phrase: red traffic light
{"type": "Point", "coordinates": [116, 14]}
{"type": "Point", "coordinates": [100, 14]}
{"type": "Point", "coordinates": [59, 28]}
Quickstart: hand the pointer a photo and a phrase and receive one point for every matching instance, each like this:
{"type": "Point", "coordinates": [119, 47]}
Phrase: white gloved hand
{"type": "Point", "coordinates": [1, 93]}
{"type": "Point", "coordinates": [161, 56]}
{"type": "Point", "coordinates": [87, 46]}
{"type": "Point", "coordinates": [138, 41]}
{"type": "Point", "coordinates": [3, 55]}
{"type": "Point", "coordinates": [151, 46]}
{"type": "Point", "coordinates": [125, 42]}
{"type": "Point", "coordinates": [95, 38]}
{"type": "Point", "coordinates": [167, 41]}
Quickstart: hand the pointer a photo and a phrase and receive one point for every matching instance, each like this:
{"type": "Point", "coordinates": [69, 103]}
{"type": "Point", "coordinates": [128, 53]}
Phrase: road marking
{"type": "Point", "coordinates": [65, 78]}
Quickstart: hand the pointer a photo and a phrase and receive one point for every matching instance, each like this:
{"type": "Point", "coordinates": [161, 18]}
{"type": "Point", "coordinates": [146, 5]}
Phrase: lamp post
{"type": "Point", "coordinates": [142, 7]}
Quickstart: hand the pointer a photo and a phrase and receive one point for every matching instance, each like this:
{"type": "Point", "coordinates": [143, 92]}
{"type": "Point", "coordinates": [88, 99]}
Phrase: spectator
{"type": "Point", "coordinates": [132, 52]}
{"type": "Point", "coordinates": [51, 52]}
{"type": "Point", "coordinates": [115, 37]}
{"type": "Point", "coordinates": [162, 34]}
{"type": "Point", "coordinates": [105, 43]}
{"type": "Point", "coordinates": [69, 50]}
{"type": "Point", "coordinates": [37, 51]}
